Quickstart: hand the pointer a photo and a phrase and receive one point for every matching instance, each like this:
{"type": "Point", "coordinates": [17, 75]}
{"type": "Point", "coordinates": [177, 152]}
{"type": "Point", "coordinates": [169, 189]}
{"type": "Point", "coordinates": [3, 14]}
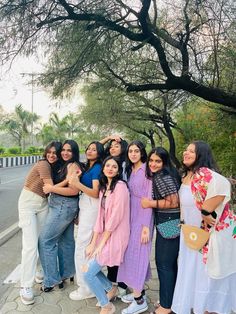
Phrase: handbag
{"type": "Point", "coordinates": [194, 237]}
{"type": "Point", "coordinates": [169, 229]}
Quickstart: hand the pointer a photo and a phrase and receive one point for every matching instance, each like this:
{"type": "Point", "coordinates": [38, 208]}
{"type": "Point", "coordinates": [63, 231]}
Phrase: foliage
{"type": "Point", "coordinates": [145, 45]}
{"type": "Point", "coordinates": [19, 123]}
{"type": "Point", "coordinates": [32, 150]}
{"type": "Point", "coordinates": [14, 150]}
{"type": "Point", "coordinates": [212, 125]}
{"type": "Point", "coordinates": [2, 150]}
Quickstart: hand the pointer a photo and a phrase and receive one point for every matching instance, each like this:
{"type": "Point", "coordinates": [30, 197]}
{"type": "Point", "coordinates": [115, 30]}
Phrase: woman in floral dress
{"type": "Point", "coordinates": [206, 280]}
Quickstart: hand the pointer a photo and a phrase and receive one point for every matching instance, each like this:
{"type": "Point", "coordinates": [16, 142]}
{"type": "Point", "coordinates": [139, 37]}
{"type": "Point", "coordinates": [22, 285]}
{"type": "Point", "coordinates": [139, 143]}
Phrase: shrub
{"type": "Point", "coordinates": [31, 150]}
{"type": "Point", "coordinates": [2, 150]}
{"type": "Point", "coordinates": [14, 150]}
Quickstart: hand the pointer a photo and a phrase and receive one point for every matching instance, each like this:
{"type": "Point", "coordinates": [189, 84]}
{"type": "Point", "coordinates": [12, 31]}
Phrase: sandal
{"type": "Point", "coordinates": [108, 309]}
{"type": "Point", "coordinates": [112, 294]}
{"type": "Point", "coordinates": [48, 289]}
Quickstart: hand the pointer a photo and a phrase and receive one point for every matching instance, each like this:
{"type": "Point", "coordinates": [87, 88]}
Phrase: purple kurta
{"type": "Point", "coordinates": [135, 269]}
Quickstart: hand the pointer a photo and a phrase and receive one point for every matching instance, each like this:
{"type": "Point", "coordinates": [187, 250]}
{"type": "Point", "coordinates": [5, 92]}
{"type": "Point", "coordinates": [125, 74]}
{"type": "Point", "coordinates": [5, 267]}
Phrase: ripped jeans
{"type": "Point", "coordinates": [97, 282]}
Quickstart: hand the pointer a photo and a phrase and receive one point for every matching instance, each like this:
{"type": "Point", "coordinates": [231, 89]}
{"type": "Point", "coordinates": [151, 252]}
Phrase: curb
{"type": "Point", "coordinates": [8, 233]}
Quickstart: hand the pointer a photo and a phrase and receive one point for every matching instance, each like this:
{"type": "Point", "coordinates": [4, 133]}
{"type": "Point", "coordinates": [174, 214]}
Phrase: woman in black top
{"type": "Point", "coordinates": [166, 183]}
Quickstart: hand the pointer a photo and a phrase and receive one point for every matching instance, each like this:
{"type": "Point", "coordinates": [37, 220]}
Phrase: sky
{"type": "Point", "coordinates": [16, 88]}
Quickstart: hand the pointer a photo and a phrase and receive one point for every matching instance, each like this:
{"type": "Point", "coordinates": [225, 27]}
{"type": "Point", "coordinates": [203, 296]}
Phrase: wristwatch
{"type": "Point", "coordinates": [205, 212]}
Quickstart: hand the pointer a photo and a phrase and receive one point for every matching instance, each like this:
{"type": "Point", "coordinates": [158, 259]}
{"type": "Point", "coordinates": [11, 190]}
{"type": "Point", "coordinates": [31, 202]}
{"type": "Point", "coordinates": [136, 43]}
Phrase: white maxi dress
{"type": "Point", "coordinates": [194, 289]}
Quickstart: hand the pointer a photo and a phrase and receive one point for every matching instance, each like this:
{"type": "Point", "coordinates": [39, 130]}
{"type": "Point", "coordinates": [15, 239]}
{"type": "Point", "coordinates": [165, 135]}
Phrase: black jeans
{"type": "Point", "coordinates": [112, 275]}
{"type": "Point", "coordinates": [166, 254]}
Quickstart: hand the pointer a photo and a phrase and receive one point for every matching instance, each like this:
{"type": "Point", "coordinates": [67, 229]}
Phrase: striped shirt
{"type": "Point", "coordinates": [34, 181]}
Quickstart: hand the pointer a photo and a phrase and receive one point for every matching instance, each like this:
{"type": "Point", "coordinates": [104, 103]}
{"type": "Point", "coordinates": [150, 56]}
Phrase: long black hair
{"type": "Point", "coordinates": [123, 146]}
{"type": "Point", "coordinates": [143, 153]}
{"type": "Point", "coordinates": [204, 158]}
{"type": "Point", "coordinates": [168, 168]}
{"type": "Point", "coordinates": [100, 154]}
{"type": "Point", "coordinates": [103, 179]}
{"type": "Point", "coordinates": [74, 159]}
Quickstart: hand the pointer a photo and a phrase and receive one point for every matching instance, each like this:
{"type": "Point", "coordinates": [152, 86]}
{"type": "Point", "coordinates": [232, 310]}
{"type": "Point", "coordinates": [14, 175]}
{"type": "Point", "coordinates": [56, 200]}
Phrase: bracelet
{"type": "Point", "coordinates": [204, 212]}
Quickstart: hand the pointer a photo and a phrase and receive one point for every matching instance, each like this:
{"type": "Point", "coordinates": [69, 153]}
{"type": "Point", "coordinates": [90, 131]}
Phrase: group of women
{"type": "Point", "coordinates": [117, 198]}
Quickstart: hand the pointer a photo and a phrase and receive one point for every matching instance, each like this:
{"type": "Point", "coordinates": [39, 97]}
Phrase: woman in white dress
{"type": "Point", "coordinates": [206, 280]}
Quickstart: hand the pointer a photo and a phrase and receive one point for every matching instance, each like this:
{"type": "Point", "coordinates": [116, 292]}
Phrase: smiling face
{"type": "Point", "coordinates": [66, 153]}
{"type": "Point", "coordinates": [155, 163]}
{"type": "Point", "coordinates": [110, 168]}
{"type": "Point", "coordinates": [134, 154]}
{"type": "Point", "coordinates": [115, 149]}
{"type": "Point", "coordinates": [51, 155]}
{"type": "Point", "coordinates": [189, 155]}
{"type": "Point", "coordinates": [91, 152]}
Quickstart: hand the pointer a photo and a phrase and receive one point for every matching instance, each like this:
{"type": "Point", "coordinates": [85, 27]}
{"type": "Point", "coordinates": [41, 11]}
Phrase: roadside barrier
{"type": "Point", "coordinates": [18, 160]}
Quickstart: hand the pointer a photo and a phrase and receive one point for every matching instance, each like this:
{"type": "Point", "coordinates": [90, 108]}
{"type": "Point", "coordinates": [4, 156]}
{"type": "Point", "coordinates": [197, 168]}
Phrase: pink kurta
{"type": "Point", "coordinates": [116, 217]}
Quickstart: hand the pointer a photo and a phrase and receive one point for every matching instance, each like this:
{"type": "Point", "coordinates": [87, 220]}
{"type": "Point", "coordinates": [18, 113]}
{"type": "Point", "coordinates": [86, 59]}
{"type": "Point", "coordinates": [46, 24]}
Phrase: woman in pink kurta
{"type": "Point", "coordinates": [111, 233]}
{"type": "Point", "coordinates": [135, 269]}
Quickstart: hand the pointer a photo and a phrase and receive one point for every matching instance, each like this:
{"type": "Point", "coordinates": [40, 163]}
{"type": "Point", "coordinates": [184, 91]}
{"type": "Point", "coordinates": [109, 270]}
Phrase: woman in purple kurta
{"type": "Point", "coordinates": [135, 269]}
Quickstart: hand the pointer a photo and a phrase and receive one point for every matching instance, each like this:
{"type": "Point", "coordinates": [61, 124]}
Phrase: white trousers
{"type": "Point", "coordinates": [33, 210]}
{"type": "Point", "coordinates": [87, 217]}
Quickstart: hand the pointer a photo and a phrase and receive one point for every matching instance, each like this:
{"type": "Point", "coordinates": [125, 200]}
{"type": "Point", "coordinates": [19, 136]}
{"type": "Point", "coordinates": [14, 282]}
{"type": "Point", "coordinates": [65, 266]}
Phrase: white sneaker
{"type": "Point", "coordinates": [129, 298]}
{"type": "Point", "coordinates": [26, 295]}
{"type": "Point", "coordinates": [39, 276]}
{"type": "Point", "coordinates": [135, 308]}
{"type": "Point", "coordinates": [80, 294]}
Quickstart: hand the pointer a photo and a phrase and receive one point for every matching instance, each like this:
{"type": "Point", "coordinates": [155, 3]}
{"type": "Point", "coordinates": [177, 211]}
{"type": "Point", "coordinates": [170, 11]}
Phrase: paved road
{"type": "Point", "coordinates": [12, 180]}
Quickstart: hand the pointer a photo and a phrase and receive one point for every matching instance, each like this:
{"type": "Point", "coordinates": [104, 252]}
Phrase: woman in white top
{"type": "Point", "coordinates": [206, 280]}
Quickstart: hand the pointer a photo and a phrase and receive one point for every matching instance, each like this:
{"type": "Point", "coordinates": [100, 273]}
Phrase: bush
{"type": "Point", "coordinates": [14, 150]}
{"type": "Point", "coordinates": [2, 150]}
{"type": "Point", "coordinates": [31, 150]}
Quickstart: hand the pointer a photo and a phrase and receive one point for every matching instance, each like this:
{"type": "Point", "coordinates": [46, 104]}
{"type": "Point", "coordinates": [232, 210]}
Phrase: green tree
{"type": "Point", "coordinates": [171, 42]}
{"type": "Point", "coordinates": [212, 125]}
{"type": "Point", "coordinates": [19, 123]}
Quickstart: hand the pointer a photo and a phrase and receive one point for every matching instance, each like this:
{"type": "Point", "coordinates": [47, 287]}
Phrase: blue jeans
{"type": "Point", "coordinates": [56, 240]}
{"type": "Point", "coordinates": [166, 254]}
{"type": "Point", "coordinates": [97, 282]}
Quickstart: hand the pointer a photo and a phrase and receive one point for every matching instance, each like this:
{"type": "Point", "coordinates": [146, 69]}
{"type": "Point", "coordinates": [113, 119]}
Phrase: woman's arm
{"type": "Point", "coordinates": [105, 236]}
{"type": "Point", "coordinates": [63, 190]}
{"type": "Point", "coordinates": [170, 201]}
{"type": "Point", "coordinates": [117, 138]}
{"type": "Point", "coordinates": [209, 206]}
{"type": "Point", "coordinates": [74, 181]}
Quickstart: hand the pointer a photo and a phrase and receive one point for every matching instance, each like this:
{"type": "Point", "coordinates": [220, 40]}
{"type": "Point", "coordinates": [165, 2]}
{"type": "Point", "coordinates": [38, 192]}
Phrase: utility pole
{"type": "Point", "coordinates": [32, 76]}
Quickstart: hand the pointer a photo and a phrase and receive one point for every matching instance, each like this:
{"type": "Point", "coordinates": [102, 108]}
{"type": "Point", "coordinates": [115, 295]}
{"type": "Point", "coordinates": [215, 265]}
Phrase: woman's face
{"type": "Point", "coordinates": [115, 149]}
{"type": "Point", "coordinates": [189, 155]}
{"type": "Point", "coordinates": [51, 155]}
{"type": "Point", "coordinates": [155, 163]}
{"type": "Point", "coordinates": [110, 169]}
{"type": "Point", "coordinates": [91, 152]}
{"type": "Point", "coordinates": [134, 154]}
{"type": "Point", "coordinates": [66, 153]}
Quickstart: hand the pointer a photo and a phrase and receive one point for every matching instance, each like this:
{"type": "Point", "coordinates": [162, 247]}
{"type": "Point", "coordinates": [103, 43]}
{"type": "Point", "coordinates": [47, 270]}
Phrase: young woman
{"type": "Point", "coordinates": [135, 269]}
{"type": "Point", "coordinates": [206, 280]}
{"type": "Point", "coordinates": [88, 184]}
{"type": "Point", "coordinates": [33, 209]}
{"type": "Point", "coordinates": [116, 147]}
{"type": "Point", "coordinates": [111, 233]}
{"type": "Point", "coordinates": [56, 240]}
{"type": "Point", "coordinates": [166, 183]}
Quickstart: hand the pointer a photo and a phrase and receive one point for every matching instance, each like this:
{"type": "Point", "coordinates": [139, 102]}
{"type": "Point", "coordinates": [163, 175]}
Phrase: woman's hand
{"type": "Point", "coordinates": [73, 179]}
{"type": "Point", "coordinates": [89, 250]}
{"type": "Point", "coordinates": [97, 251]}
{"type": "Point", "coordinates": [47, 188]}
{"type": "Point", "coordinates": [208, 220]}
{"type": "Point", "coordinates": [145, 202]}
{"type": "Point", "coordinates": [145, 235]}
